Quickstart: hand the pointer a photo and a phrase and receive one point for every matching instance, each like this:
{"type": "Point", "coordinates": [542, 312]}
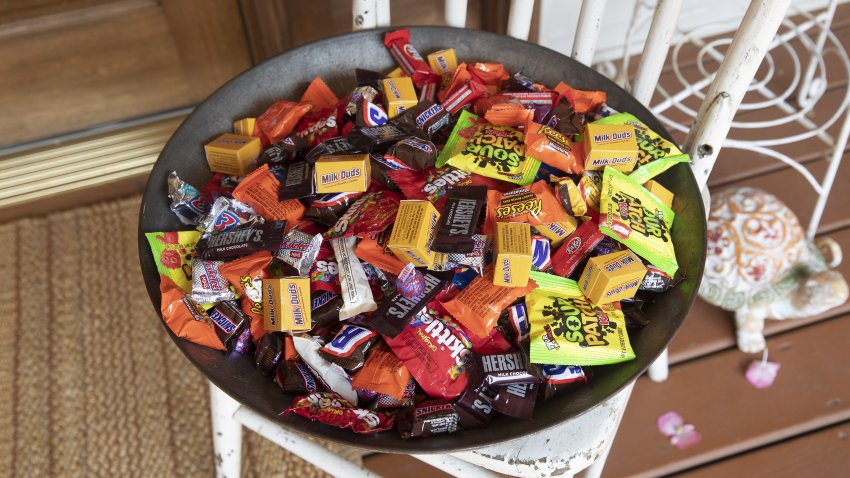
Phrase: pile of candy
{"type": "Point", "coordinates": [423, 261]}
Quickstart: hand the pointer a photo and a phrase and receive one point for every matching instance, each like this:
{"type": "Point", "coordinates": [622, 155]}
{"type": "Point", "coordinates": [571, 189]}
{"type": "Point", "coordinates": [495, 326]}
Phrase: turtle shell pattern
{"type": "Point", "coordinates": [757, 250]}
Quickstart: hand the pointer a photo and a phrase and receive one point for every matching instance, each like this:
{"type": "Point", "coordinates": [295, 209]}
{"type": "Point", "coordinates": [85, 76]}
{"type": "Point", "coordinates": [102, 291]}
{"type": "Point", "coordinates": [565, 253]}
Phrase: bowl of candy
{"type": "Point", "coordinates": [421, 253]}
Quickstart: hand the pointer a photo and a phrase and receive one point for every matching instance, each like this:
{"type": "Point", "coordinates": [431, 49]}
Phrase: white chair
{"type": "Point", "coordinates": [582, 443]}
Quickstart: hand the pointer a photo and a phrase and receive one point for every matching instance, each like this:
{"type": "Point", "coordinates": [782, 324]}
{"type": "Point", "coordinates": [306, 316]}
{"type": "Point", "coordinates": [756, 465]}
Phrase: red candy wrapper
{"type": "Point", "coordinates": [432, 184]}
{"type": "Point", "coordinates": [370, 214]}
{"type": "Point", "coordinates": [410, 61]}
{"type": "Point", "coordinates": [575, 248]}
{"type": "Point", "coordinates": [435, 352]}
{"type": "Point", "coordinates": [324, 274]}
{"type": "Point", "coordinates": [331, 409]}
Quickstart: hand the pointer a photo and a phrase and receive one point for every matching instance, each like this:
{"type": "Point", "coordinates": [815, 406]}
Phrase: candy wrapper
{"type": "Point", "coordinates": [435, 352]}
{"type": "Point", "coordinates": [240, 242]}
{"type": "Point", "coordinates": [332, 409]}
{"type": "Point", "coordinates": [208, 285]}
{"type": "Point", "coordinates": [172, 252]}
{"type": "Point", "coordinates": [300, 250]}
{"type": "Point", "coordinates": [514, 322]}
{"type": "Point", "coordinates": [226, 214]}
{"type": "Point", "coordinates": [576, 248]}
{"type": "Point", "coordinates": [655, 154]}
{"type": "Point", "coordinates": [493, 151]}
{"type": "Point", "coordinates": [384, 373]}
{"type": "Point", "coordinates": [432, 184]}
{"type": "Point", "coordinates": [570, 197]}
{"type": "Point", "coordinates": [327, 208]}
{"type": "Point", "coordinates": [269, 352]}
{"type": "Point", "coordinates": [396, 311]}
{"type": "Point", "coordinates": [371, 213]}
{"type": "Point", "coordinates": [331, 374]}
{"type": "Point", "coordinates": [461, 220]}
{"type": "Point", "coordinates": [426, 117]}
{"type": "Point", "coordinates": [260, 190]}
{"type": "Point", "coordinates": [553, 148]}
{"type": "Point", "coordinates": [479, 305]}
{"type": "Point", "coordinates": [408, 398]}
{"type": "Point", "coordinates": [352, 278]}
{"type": "Point", "coordinates": [571, 331]}
{"type": "Point", "coordinates": [410, 283]}
{"type": "Point", "coordinates": [295, 377]}
{"type": "Point", "coordinates": [428, 418]}
{"type": "Point", "coordinates": [374, 250]}
{"type": "Point", "coordinates": [414, 153]}
{"type": "Point", "coordinates": [535, 205]}
{"type": "Point", "coordinates": [517, 399]}
{"type": "Point", "coordinates": [634, 216]}
{"type": "Point", "coordinates": [229, 323]}
{"type": "Point", "coordinates": [349, 347]}
{"type": "Point", "coordinates": [185, 317]}
{"type": "Point", "coordinates": [283, 151]}
{"type": "Point", "coordinates": [187, 203]}
{"type": "Point", "coordinates": [246, 275]}
{"type": "Point", "coordinates": [558, 378]}
{"type": "Point", "coordinates": [280, 119]}
{"type": "Point", "coordinates": [475, 407]}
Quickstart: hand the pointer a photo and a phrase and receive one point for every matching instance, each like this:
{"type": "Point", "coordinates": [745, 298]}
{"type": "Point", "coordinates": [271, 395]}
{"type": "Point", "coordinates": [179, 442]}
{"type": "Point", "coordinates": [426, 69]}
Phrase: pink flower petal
{"type": "Point", "coordinates": [687, 438]}
{"type": "Point", "coordinates": [761, 374]}
{"type": "Point", "coordinates": [669, 423]}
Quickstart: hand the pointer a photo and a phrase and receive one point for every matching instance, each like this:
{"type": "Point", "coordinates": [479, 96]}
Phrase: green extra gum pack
{"type": "Point", "coordinates": [655, 154]}
{"type": "Point", "coordinates": [635, 217]}
{"type": "Point", "coordinates": [489, 150]}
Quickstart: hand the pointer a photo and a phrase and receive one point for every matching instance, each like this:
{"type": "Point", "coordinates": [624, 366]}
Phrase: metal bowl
{"type": "Point", "coordinates": [334, 59]}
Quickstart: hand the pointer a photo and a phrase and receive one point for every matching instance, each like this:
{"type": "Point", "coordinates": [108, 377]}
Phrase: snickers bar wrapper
{"type": "Point", "coordinates": [286, 304]}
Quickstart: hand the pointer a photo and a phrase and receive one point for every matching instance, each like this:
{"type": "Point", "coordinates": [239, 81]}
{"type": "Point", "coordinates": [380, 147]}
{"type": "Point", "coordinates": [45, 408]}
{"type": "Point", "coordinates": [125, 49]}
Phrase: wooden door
{"type": "Point", "coordinates": [68, 65]}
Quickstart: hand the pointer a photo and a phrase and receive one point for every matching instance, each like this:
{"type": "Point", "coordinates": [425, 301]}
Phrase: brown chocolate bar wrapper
{"type": "Point", "coordinates": [397, 311]}
{"type": "Point", "coordinates": [461, 220]}
{"type": "Point", "coordinates": [517, 400]}
{"type": "Point", "coordinates": [241, 242]}
{"type": "Point", "coordinates": [428, 418]}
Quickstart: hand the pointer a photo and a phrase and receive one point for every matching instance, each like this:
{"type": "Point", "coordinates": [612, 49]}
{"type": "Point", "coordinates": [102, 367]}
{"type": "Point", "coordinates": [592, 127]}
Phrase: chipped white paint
{"type": "Point", "coordinates": [370, 14]}
{"type": "Point", "coordinates": [227, 434]}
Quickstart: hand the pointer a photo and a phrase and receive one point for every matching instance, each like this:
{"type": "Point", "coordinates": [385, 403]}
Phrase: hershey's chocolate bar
{"type": "Point", "coordinates": [396, 312]}
{"type": "Point", "coordinates": [240, 242]}
{"type": "Point", "coordinates": [297, 180]}
{"type": "Point", "coordinates": [461, 219]}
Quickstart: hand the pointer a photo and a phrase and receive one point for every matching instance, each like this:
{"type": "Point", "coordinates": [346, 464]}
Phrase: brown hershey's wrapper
{"type": "Point", "coordinates": [461, 219]}
{"type": "Point", "coordinates": [241, 242]}
{"type": "Point", "coordinates": [397, 311]}
{"type": "Point", "coordinates": [517, 399]}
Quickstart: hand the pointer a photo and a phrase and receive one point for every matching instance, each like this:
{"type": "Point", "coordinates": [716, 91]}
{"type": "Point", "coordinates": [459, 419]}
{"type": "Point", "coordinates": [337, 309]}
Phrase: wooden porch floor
{"type": "Point", "coordinates": [800, 425]}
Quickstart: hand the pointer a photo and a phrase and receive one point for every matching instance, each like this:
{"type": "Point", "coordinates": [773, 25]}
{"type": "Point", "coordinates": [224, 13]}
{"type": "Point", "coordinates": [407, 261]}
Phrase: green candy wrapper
{"type": "Point", "coordinates": [655, 154]}
{"type": "Point", "coordinates": [172, 252]}
{"type": "Point", "coordinates": [635, 217]}
{"type": "Point", "coordinates": [553, 283]}
{"type": "Point", "coordinates": [570, 331]}
{"type": "Point", "coordinates": [493, 151]}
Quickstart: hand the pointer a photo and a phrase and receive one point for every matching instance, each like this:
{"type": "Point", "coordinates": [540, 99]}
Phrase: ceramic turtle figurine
{"type": "Point", "coordinates": [760, 264]}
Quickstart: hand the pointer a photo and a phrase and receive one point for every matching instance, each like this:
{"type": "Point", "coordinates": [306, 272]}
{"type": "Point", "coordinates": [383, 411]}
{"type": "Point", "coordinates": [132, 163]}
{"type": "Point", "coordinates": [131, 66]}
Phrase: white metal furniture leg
{"type": "Point", "coordinates": [227, 434]}
{"type": "Point", "coordinates": [660, 369]}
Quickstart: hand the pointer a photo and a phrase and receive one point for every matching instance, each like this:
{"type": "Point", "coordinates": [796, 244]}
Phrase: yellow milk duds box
{"type": "Point", "coordinates": [342, 173]}
{"type": "Point", "coordinates": [286, 304]}
{"type": "Point", "coordinates": [443, 62]}
{"type": "Point", "coordinates": [612, 145]}
{"type": "Point", "coordinates": [660, 192]}
{"type": "Point", "coordinates": [396, 73]}
{"type": "Point", "coordinates": [557, 232]}
{"type": "Point", "coordinates": [399, 95]}
{"type": "Point", "coordinates": [612, 277]}
{"type": "Point", "coordinates": [233, 154]}
{"type": "Point", "coordinates": [413, 231]}
{"type": "Point", "coordinates": [513, 254]}
{"type": "Point", "coordinates": [245, 126]}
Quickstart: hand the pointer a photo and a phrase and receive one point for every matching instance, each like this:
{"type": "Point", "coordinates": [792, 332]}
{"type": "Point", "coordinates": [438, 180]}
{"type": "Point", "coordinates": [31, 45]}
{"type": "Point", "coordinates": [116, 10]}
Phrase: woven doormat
{"type": "Point", "coordinates": [90, 383]}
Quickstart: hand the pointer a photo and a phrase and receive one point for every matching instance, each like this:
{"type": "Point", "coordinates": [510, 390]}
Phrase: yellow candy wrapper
{"type": "Point", "coordinates": [655, 154]}
{"type": "Point", "coordinates": [566, 330]}
{"type": "Point", "coordinates": [172, 252]}
{"type": "Point", "coordinates": [489, 150]}
{"type": "Point", "coordinates": [632, 215]}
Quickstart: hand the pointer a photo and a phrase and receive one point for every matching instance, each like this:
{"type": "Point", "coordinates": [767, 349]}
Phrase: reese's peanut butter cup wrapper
{"type": "Point", "coordinates": [535, 205]}
{"type": "Point", "coordinates": [493, 151]}
{"type": "Point", "coordinates": [185, 317]}
{"type": "Point", "coordinates": [260, 190]}
{"type": "Point", "coordinates": [572, 331]}
{"type": "Point", "coordinates": [570, 197]}
{"type": "Point", "coordinates": [435, 352]}
{"type": "Point", "coordinates": [246, 275]}
{"type": "Point", "coordinates": [280, 119]}
{"type": "Point", "coordinates": [173, 252]}
{"type": "Point", "coordinates": [479, 305]}
{"type": "Point", "coordinates": [655, 154]}
{"type": "Point", "coordinates": [349, 347]}
{"type": "Point", "coordinates": [637, 218]}
{"type": "Point", "coordinates": [383, 372]}
{"type": "Point", "coordinates": [553, 148]}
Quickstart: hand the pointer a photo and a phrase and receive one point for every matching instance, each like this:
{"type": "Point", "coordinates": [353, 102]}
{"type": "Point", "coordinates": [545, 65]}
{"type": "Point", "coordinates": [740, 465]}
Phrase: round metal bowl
{"type": "Point", "coordinates": [334, 59]}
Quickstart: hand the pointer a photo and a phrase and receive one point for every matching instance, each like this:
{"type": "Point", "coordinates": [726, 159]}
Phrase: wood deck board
{"type": "Point", "coordinates": [811, 392]}
{"type": "Point", "coordinates": [822, 453]}
{"type": "Point", "coordinates": [709, 329]}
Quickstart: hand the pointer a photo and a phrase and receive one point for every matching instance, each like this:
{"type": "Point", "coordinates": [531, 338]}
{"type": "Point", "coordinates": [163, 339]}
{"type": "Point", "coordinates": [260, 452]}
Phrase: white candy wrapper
{"type": "Point", "coordinates": [333, 375]}
{"type": "Point", "coordinates": [356, 294]}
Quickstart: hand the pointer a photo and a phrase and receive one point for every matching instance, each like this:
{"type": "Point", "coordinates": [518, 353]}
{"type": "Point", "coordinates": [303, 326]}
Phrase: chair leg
{"type": "Point", "coordinates": [227, 434]}
{"type": "Point", "coordinates": [659, 369]}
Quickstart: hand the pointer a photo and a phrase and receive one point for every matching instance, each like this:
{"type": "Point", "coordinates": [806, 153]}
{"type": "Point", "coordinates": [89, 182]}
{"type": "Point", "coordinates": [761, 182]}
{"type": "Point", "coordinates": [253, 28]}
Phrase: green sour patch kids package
{"type": "Point", "coordinates": [172, 252]}
{"type": "Point", "coordinates": [489, 150]}
{"type": "Point", "coordinates": [655, 154]}
{"type": "Point", "coordinates": [571, 331]}
{"type": "Point", "coordinates": [632, 215]}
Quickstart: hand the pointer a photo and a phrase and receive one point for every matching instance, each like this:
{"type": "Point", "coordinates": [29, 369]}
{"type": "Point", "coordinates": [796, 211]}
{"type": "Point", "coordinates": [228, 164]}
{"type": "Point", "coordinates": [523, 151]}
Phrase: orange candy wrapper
{"type": "Point", "coordinates": [185, 317]}
{"type": "Point", "coordinates": [246, 275]}
{"type": "Point", "coordinates": [491, 74]}
{"type": "Point", "coordinates": [479, 305]}
{"type": "Point", "coordinates": [260, 191]}
{"type": "Point", "coordinates": [319, 95]}
{"type": "Point", "coordinates": [373, 249]}
{"type": "Point", "coordinates": [535, 204]}
{"type": "Point", "coordinates": [383, 372]}
{"type": "Point", "coordinates": [459, 78]}
{"type": "Point", "coordinates": [583, 101]}
{"type": "Point", "coordinates": [503, 110]}
{"type": "Point", "coordinates": [281, 118]}
{"type": "Point", "coordinates": [553, 148]}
